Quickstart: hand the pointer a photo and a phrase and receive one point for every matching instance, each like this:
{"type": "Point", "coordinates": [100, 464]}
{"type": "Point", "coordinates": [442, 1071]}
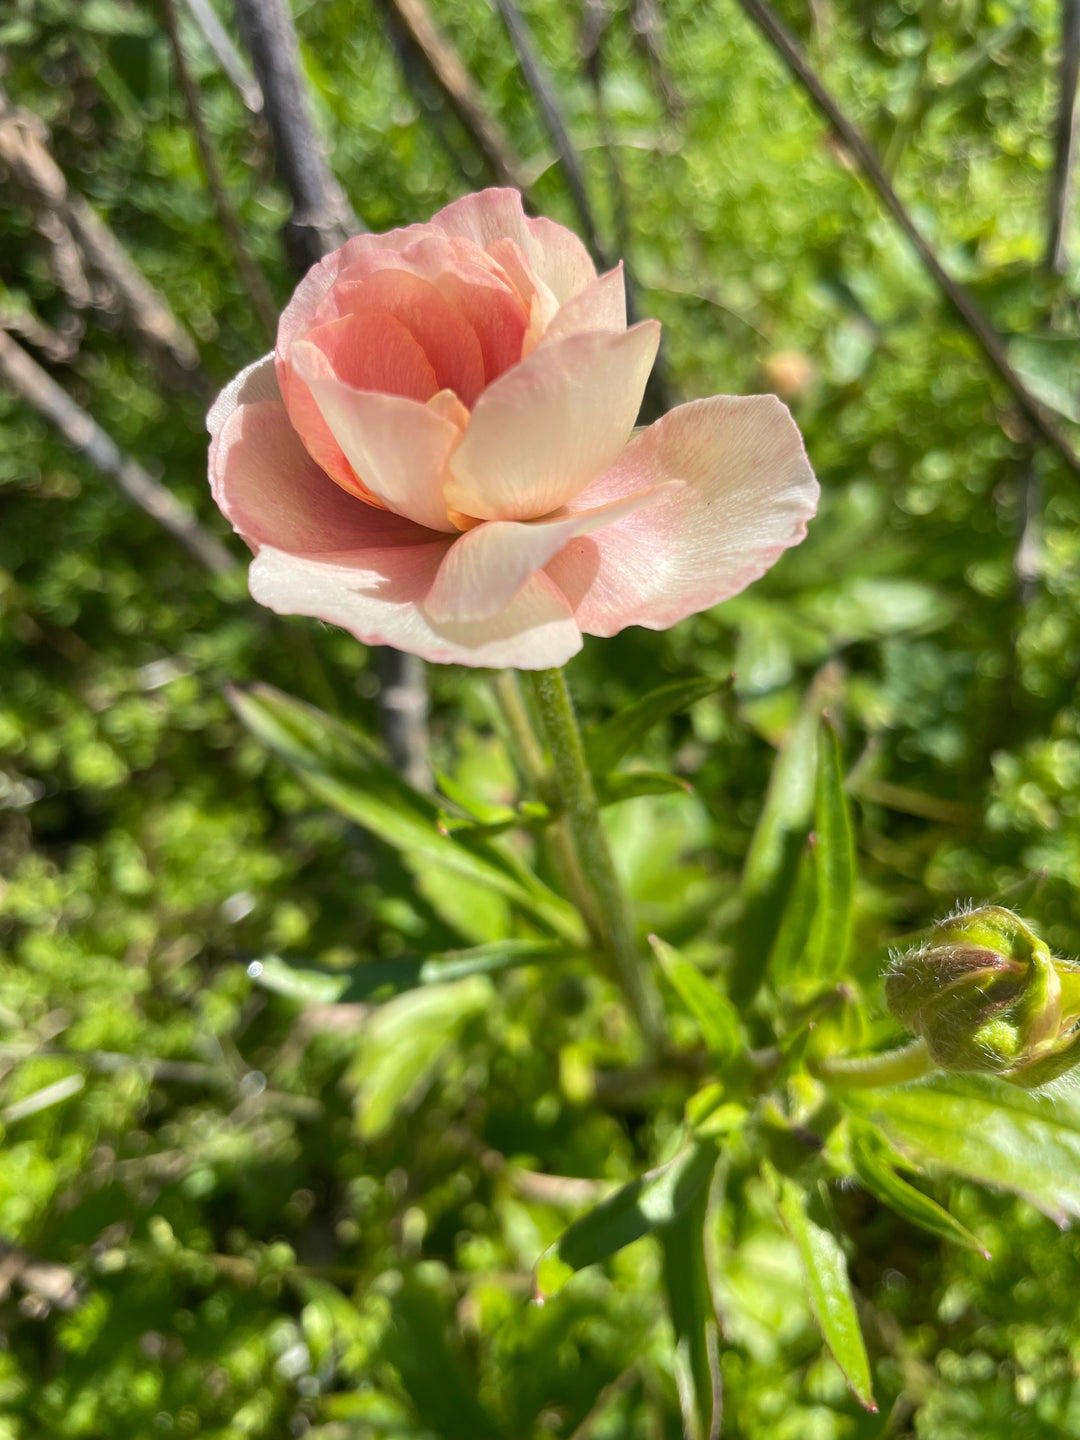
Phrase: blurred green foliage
{"type": "Point", "coordinates": [225, 1231]}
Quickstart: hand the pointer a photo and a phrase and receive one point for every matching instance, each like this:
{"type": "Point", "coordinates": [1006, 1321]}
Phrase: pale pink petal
{"type": "Point", "coordinates": [556, 254]}
{"type": "Point", "coordinates": [299, 314]}
{"type": "Point", "coordinates": [447, 340]}
{"type": "Point", "coordinates": [256, 382]}
{"type": "Point", "coordinates": [484, 570]}
{"type": "Point", "coordinates": [600, 306]}
{"type": "Point", "coordinates": [397, 447]}
{"type": "Point", "coordinates": [380, 604]}
{"type": "Point", "coordinates": [273, 493]}
{"type": "Point", "coordinates": [466, 277]}
{"type": "Point", "coordinates": [550, 425]}
{"type": "Point", "coordinates": [369, 351]}
{"type": "Point", "coordinates": [748, 495]}
{"type": "Point", "coordinates": [372, 350]}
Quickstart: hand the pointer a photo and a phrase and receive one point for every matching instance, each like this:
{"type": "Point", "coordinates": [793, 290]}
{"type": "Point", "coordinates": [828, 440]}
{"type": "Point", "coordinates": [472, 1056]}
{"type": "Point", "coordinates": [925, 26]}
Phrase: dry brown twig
{"type": "Point", "coordinates": [32, 384]}
{"type": "Point", "coordinates": [254, 280]}
{"type": "Point", "coordinates": [90, 264]}
{"type": "Point", "coordinates": [446, 68]}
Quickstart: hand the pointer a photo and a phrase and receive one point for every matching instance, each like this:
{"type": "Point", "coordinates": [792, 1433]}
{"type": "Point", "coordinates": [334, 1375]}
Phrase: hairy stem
{"type": "Point", "coordinates": [869, 1072]}
{"type": "Point", "coordinates": [577, 799]}
{"type": "Point", "coordinates": [515, 712]}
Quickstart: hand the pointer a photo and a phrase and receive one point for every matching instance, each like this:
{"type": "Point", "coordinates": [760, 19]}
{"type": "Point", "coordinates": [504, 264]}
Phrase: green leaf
{"type": "Point", "coordinates": [694, 1320]}
{"type": "Point", "coordinates": [346, 771]}
{"type": "Point", "coordinates": [828, 1288]}
{"type": "Point", "coordinates": [778, 840]}
{"type": "Point", "coordinates": [870, 1156]}
{"type": "Point", "coordinates": [656, 1198]}
{"type": "Point", "coordinates": [982, 1128]}
{"type": "Point", "coordinates": [404, 1045]}
{"type": "Point", "coordinates": [312, 984]}
{"type": "Point", "coordinates": [834, 862]}
{"type": "Point", "coordinates": [434, 1371]}
{"type": "Point", "coordinates": [612, 788]}
{"type": "Point", "coordinates": [793, 935]}
{"type": "Point", "coordinates": [716, 1016]}
{"type": "Point", "coordinates": [606, 744]}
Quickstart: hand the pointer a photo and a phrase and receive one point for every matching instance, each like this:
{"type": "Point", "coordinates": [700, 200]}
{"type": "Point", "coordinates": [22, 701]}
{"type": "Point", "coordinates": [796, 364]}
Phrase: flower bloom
{"type": "Point", "coordinates": [438, 454]}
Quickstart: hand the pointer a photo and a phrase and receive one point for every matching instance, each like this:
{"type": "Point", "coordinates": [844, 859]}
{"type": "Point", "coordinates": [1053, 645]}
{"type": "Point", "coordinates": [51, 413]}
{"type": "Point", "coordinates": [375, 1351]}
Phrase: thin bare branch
{"type": "Point", "coordinates": [229, 58]}
{"type": "Point", "coordinates": [254, 280]}
{"type": "Point", "coordinates": [962, 301]}
{"type": "Point", "coordinates": [1065, 140]}
{"type": "Point", "coordinates": [322, 217]}
{"type": "Point", "coordinates": [442, 61]}
{"type": "Point", "coordinates": [84, 247]}
{"type": "Point", "coordinates": [544, 94]}
{"type": "Point", "coordinates": [30, 383]}
{"type": "Point", "coordinates": [647, 22]}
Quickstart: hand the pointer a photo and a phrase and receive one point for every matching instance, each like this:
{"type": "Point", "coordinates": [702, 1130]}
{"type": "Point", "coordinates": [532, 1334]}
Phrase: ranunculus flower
{"type": "Point", "coordinates": [438, 455]}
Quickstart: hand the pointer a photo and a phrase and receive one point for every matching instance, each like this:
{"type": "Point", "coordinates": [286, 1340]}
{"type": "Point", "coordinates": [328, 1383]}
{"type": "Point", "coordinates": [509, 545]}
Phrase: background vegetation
{"type": "Point", "coordinates": [230, 1208]}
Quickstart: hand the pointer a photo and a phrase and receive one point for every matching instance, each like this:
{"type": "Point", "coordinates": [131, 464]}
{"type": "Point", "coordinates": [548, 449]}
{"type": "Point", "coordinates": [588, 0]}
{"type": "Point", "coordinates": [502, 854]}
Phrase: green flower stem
{"type": "Point", "coordinates": [576, 795]}
{"type": "Point", "coordinates": [530, 753]}
{"type": "Point", "coordinates": [867, 1072]}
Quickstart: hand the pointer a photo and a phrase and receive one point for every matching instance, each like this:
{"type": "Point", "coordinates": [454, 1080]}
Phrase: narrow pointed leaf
{"type": "Point", "coordinates": [313, 984]}
{"type": "Point", "coordinates": [869, 1155]}
{"type": "Point", "coordinates": [790, 949]}
{"type": "Point", "coordinates": [694, 1320]}
{"type": "Point", "coordinates": [777, 842]}
{"type": "Point", "coordinates": [345, 770]}
{"type": "Point", "coordinates": [828, 1287]}
{"type": "Point", "coordinates": [717, 1018]}
{"type": "Point", "coordinates": [606, 744]}
{"type": "Point", "coordinates": [656, 1198]}
{"type": "Point", "coordinates": [628, 785]}
{"type": "Point", "coordinates": [404, 1044]}
{"type": "Point", "coordinates": [834, 861]}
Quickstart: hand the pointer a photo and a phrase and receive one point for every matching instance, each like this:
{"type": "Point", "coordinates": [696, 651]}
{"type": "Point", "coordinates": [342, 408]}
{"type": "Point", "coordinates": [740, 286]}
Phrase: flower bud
{"type": "Point", "coordinates": [985, 994]}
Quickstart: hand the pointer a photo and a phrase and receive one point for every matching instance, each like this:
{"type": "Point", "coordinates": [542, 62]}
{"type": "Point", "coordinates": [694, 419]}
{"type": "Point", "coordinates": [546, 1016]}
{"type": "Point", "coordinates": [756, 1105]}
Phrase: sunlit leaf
{"type": "Point", "coordinates": [404, 1044]}
{"type": "Point", "coordinates": [828, 1287]}
{"type": "Point", "coordinates": [980, 1127]}
{"type": "Point", "coordinates": [716, 1016]}
{"type": "Point", "coordinates": [346, 771]}
{"type": "Point", "coordinates": [694, 1320]}
{"type": "Point", "coordinates": [313, 984]}
{"type": "Point", "coordinates": [655, 1198]}
{"type": "Point", "coordinates": [871, 1159]}
{"type": "Point", "coordinates": [606, 744]}
{"type": "Point", "coordinates": [778, 839]}
{"type": "Point", "coordinates": [834, 862]}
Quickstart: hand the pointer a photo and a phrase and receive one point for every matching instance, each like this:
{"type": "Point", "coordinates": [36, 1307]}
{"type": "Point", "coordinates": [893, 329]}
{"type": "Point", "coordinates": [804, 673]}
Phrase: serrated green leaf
{"type": "Point", "coordinates": [346, 771]}
{"type": "Point", "coordinates": [694, 1320]}
{"type": "Point", "coordinates": [828, 1288]}
{"type": "Point", "coordinates": [986, 1130]}
{"type": "Point", "coordinates": [870, 1156]}
{"type": "Point", "coordinates": [834, 862]}
{"type": "Point", "coordinates": [404, 1045]}
{"type": "Point", "coordinates": [606, 744]}
{"type": "Point", "coordinates": [716, 1016]}
{"type": "Point", "coordinates": [315, 985]}
{"type": "Point", "coordinates": [656, 1198]}
{"type": "Point", "coordinates": [778, 840]}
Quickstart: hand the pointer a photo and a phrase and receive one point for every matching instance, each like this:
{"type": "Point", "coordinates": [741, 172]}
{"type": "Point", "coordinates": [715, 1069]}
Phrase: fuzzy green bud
{"type": "Point", "coordinates": [985, 994]}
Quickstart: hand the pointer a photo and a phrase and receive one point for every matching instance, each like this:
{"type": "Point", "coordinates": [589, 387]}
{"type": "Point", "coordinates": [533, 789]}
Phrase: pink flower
{"type": "Point", "coordinates": [438, 455]}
